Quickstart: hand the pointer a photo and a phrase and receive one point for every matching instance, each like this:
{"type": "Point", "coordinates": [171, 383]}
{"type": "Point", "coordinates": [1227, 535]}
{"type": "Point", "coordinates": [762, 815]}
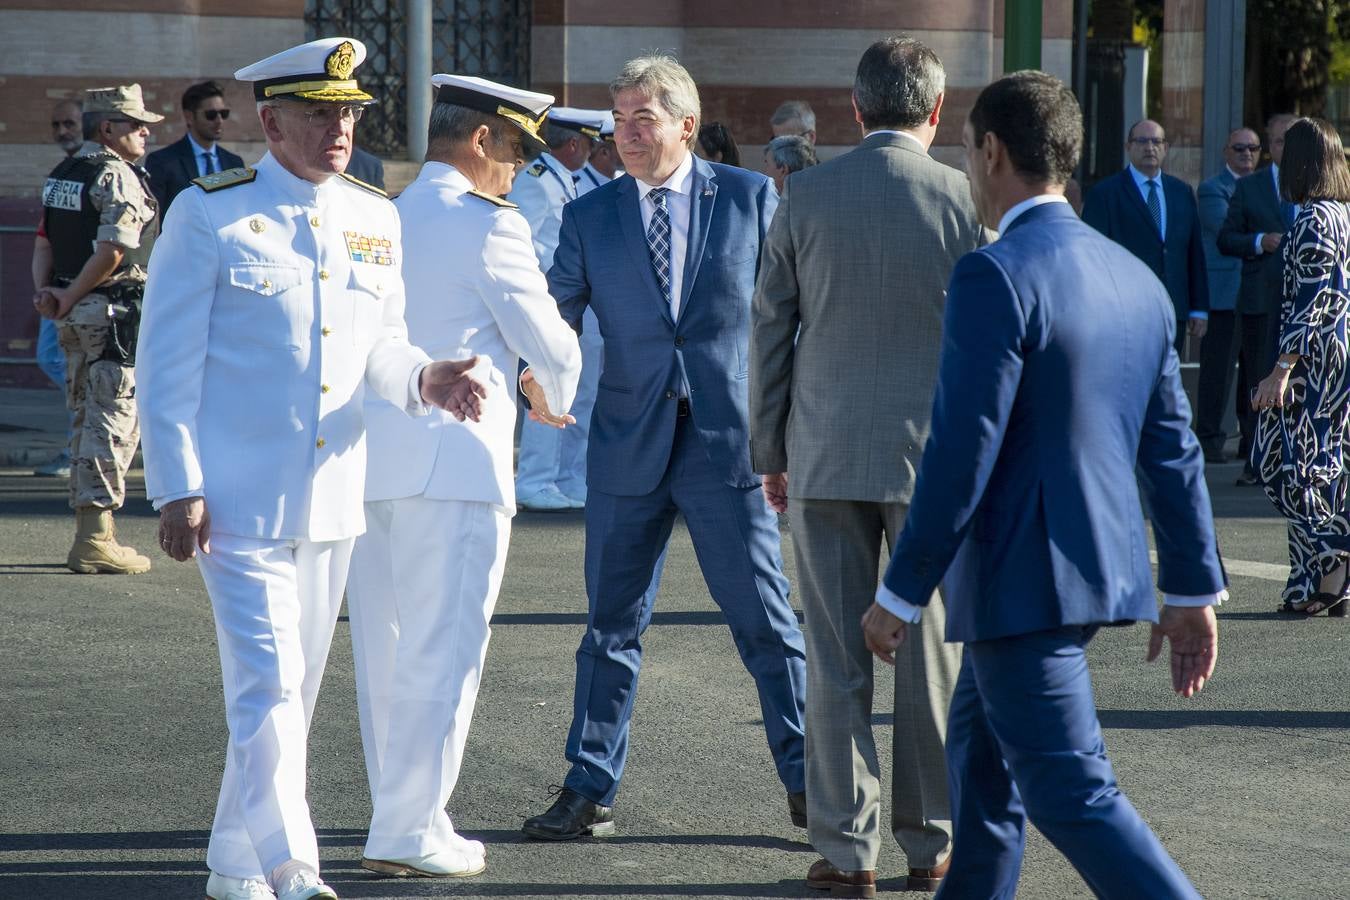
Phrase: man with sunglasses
{"type": "Point", "coordinates": [275, 300]}
{"type": "Point", "coordinates": [198, 152]}
{"type": "Point", "coordinates": [1219, 350]}
{"type": "Point", "coordinates": [99, 218]}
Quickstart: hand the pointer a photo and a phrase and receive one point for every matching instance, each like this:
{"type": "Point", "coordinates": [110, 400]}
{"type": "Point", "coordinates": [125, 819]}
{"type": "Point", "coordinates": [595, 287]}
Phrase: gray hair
{"type": "Point", "coordinates": [792, 152]}
{"type": "Point", "coordinates": [898, 83]}
{"type": "Point", "coordinates": [89, 122]}
{"type": "Point", "coordinates": [794, 111]}
{"type": "Point", "coordinates": [662, 78]}
{"type": "Point", "coordinates": [556, 135]}
{"type": "Point", "coordinates": [451, 124]}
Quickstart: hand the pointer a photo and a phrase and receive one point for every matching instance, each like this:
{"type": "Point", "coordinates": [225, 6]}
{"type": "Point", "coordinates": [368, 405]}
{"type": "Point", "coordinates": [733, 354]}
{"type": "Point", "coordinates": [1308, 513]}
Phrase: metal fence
{"type": "Point", "coordinates": [489, 38]}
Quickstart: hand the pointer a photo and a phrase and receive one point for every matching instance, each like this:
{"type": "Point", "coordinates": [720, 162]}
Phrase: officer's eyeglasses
{"type": "Point", "coordinates": [214, 114]}
{"type": "Point", "coordinates": [326, 115]}
{"type": "Point", "coordinates": [1149, 142]}
{"type": "Point", "coordinates": [1245, 148]}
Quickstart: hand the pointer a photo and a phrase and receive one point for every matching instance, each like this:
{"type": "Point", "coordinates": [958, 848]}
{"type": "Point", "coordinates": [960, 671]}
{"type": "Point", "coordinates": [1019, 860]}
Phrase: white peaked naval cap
{"type": "Point", "coordinates": [587, 121]}
{"type": "Point", "coordinates": [321, 71]}
{"type": "Point", "coordinates": [524, 109]}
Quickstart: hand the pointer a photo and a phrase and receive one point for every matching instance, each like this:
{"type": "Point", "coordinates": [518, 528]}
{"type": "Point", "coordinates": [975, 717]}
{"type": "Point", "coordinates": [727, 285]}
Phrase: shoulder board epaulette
{"type": "Point", "coordinates": [495, 201]}
{"type": "Point", "coordinates": [219, 181]}
{"type": "Point", "coordinates": [361, 184]}
{"type": "Point", "coordinates": [537, 169]}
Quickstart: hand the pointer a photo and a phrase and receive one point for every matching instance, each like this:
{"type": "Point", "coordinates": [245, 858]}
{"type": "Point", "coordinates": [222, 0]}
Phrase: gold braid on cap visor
{"type": "Point", "coordinates": [531, 126]}
{"type": "Point", "coordinates": [321, 91]}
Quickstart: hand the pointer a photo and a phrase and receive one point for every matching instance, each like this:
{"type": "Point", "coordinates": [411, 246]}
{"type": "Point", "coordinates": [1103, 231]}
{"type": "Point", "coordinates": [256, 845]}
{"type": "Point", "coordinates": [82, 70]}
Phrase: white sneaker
{"type": "Point", "coordinates": [550, 499]}
{"type": "Point", "coordinates": [218, 887]}
{"type": "Point", "coordinates": [441, 864]}
{"type": "Point", "coordinates": [304, 885]}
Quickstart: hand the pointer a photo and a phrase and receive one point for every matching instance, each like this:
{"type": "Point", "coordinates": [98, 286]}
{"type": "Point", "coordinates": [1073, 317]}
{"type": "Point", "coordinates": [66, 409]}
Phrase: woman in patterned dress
{"type": "Point", "coordinates": [1302, 447]}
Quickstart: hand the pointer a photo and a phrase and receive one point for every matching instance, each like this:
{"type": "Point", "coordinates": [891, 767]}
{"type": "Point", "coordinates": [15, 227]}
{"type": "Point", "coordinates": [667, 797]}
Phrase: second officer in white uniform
{"type": "Point", "coordinates": [439, 496]}
{"type": "Point", "coordinates": [274, 299]}
{"type": "Point", "coordinates": [551, 468]}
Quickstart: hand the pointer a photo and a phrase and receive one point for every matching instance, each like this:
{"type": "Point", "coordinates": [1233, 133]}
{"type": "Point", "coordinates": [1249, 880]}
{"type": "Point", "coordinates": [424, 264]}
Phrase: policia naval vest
{"type": "Point", "coordinates": [71, 221]}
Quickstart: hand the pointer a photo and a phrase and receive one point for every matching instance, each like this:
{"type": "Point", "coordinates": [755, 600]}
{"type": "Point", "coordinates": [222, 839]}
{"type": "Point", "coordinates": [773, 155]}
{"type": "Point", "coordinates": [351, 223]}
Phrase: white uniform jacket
{"type": "Point", "coordinates": [474, 287]}
{"type": "Point", "coordinates": [541, 191]}
{"type": "Point", "coordinates": [270, 305]}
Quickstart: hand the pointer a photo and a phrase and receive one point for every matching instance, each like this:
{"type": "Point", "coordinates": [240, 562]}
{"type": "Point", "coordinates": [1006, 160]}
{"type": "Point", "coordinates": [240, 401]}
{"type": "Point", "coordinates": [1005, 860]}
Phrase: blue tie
{"type": "Point", "coordinates": [1154, 206]}
{"type": "Point", "coordinates": [658, 240]}
{"type": "Point", "coordinates": [210, 162]}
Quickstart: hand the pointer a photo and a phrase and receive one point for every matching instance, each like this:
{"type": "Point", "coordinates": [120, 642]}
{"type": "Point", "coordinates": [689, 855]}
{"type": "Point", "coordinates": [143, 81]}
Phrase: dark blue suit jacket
{"type": "Point", "coordinates": [1057, 380]}
{"type": "Point", "coordinates": [602, 262]}
{"type": "Point", "coordinates": [1115, 207]}
{"type": "Point", "coordinates": [172, 169]}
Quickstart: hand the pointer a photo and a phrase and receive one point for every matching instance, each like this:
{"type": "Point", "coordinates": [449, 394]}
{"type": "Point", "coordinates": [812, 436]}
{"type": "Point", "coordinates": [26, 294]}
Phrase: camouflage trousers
{"type": "Point", "coordinates": [101, 395]}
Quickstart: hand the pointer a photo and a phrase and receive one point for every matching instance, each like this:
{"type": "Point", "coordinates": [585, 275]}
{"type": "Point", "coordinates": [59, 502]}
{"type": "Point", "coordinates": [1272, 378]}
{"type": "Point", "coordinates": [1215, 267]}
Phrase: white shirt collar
{"type": "Point", "coordinates": [302, 190]}
{"type": "Point", "coordinates": [1040, 200]}
{"type": "Point", "coordinates": [435, 170]}
{"type": "Point", "coordinates": [905, 134]}
{"type": "Point", "coordinates": [198, 149]}
{"type": "Point", "coordinates": [681, 181]}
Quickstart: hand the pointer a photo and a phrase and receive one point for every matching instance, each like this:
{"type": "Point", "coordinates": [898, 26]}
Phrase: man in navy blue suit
{"type": "Point", "coordinates": [1154, 216]}
{"type": "Point", "coordinates": [666, 259]}
{"type": "Point", "coordinates": [198, 151]}
{"type": "Point", "coordinates": [1057, 378]}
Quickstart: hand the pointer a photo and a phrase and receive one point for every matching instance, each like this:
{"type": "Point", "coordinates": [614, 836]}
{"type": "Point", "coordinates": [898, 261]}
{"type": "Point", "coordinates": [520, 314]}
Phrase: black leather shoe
{"type": "Point", "coordinates": [797, 808]}
{"type": "Point", "coordinates": [571, 816]}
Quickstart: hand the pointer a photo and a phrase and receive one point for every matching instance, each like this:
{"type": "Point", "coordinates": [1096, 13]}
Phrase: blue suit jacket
{"type": "Point", "coordinates": [172, 169]}
{"type": "Point", "coordinates": [1115, 207]}
{"type": "Point", "coordinates": [1057, 379]}
{"type": "Point", "coordinates": [602, 262]}
{"type": "Point", "coordinates": [1224, 272]}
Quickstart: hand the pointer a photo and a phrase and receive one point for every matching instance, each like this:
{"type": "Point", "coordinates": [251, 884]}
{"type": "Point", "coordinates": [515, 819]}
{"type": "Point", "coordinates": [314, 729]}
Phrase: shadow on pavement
{"type": "Point", "coordinates": [1226, 718]}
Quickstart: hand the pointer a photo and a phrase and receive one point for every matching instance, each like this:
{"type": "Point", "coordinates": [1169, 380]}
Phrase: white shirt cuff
{"type": "Point", "coordinates": [901, 609]}
{"type": "Point", "coordinates": [1259, 251]}
{"type": "Point", "coordinates": [1199, 314]}
{"type": "Point", "coordinates": [1199, 600]}
{"type": "Point", "coordinates": [416, 406]}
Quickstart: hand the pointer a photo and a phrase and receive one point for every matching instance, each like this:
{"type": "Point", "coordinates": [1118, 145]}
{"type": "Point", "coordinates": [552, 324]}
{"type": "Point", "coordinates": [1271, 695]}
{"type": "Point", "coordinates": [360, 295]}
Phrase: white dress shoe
{"type": "Point", "coordinates": [467, 847]}
{"type": "Point", "coordinates": [304, 885]}
{"type": "Point", "coordinates": [441, 864]}
{"type": "Point", "coordinates": [550, 499]}
{"type": "Point", "coordinates": [218, 887]}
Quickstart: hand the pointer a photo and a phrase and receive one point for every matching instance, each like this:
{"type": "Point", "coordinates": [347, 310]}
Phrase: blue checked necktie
{"type": "Point", "coordinates": [658, 240]}
{"type": "Point", "coordinates": [1154, 207]}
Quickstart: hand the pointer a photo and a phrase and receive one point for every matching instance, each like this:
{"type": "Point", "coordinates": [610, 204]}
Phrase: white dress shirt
{"type": "Point", "coordinates": [678, 204]}
{"type": "Point", "coordinates": [1275, 174]}
{"type": "Point", "coordinates": [912, 613]}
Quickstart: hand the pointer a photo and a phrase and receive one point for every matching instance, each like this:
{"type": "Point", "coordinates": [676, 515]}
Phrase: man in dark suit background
{"type": "Point", "coordinates": [1218, 351]}
{"type": "Point", "coordinates": [1153, 215]}
{"type": "Point", "coordinates": [1254, 232]}
{"type": "Point", "coordinates": [366, 167]}
{"type": "Point", "coordinates": [666, 260]}
{"type": "Point", "coordinates": [198, 151]}
{"type": "Point", "coordinates": [1057, 383]}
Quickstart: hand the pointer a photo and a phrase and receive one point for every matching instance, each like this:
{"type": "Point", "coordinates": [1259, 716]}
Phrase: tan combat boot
{"type": "Point", "coordinates": [96, 550]}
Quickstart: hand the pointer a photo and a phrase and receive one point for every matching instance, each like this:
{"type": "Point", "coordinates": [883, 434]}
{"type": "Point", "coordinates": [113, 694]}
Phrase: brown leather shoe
{"type": "Point", "coordinates": [823, 876]}
{"type": "Point", "coordinates": [927, 879]}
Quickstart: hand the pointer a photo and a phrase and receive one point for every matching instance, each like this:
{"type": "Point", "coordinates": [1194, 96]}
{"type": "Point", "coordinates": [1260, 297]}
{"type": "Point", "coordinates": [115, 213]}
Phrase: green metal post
{"type": "Point", "coordinates": [1021, 35]}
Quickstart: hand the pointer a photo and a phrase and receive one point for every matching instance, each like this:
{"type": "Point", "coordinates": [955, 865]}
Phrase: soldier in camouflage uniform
{"type": "Point", "coordinates": [100, 219]}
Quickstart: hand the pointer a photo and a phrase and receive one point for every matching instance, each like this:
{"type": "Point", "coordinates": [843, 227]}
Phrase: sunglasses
{"type": "Point", "coordinates": [1245, 148]}
{"type": "Point", "coordinates": [213, 114]}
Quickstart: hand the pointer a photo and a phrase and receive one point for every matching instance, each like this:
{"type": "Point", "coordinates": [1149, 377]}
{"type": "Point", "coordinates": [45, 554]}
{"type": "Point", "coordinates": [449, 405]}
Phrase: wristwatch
{"type": "Point", "coordinates": [1284, 364]}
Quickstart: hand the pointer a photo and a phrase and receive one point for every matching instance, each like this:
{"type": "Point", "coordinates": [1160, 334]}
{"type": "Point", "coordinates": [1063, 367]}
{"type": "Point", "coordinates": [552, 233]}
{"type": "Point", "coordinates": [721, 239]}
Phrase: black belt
{"type": "Point", "coordinates": [682, 407]}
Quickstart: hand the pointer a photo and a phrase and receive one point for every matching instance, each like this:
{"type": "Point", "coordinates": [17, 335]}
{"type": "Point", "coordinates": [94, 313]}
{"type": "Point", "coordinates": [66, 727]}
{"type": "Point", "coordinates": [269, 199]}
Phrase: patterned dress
{"type": "Point", "coordinates": [1301, 450]}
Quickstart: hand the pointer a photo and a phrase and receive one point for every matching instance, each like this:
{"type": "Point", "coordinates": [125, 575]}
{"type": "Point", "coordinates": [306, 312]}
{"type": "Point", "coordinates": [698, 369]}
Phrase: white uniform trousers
{"type": "Point", "coordinates": [424, 582]}
{"type": "Point", "coordinates": [275, 603]}
{"type": "Point", "coordinates": [557, 457]}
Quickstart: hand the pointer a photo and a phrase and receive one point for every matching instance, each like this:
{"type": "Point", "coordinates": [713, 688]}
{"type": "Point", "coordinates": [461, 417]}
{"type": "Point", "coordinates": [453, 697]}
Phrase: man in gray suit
{"type": "Point", "coordinates": [846, 331]}
{"type": "Point", "coordinates": [1218, 352]}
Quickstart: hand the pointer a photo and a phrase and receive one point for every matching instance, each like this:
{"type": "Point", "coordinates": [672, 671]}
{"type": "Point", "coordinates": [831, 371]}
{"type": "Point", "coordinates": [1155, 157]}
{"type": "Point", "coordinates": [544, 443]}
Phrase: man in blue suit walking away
{"type": "Point", "coordinates": [666, 259]}
{"type": "Point", "coordinates": [1057, 377]}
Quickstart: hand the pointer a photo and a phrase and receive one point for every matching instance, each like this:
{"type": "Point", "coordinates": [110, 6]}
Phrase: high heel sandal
{"type": "Point", "coordinates": [1334, 605]}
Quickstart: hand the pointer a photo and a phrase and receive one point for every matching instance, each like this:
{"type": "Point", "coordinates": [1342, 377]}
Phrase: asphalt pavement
{"type": "Point", "coordinates": [112, 735]}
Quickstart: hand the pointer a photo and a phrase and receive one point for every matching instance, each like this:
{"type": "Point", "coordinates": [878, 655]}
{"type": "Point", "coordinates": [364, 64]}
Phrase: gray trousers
{"type": "Point", "coordinates": [838, 545]}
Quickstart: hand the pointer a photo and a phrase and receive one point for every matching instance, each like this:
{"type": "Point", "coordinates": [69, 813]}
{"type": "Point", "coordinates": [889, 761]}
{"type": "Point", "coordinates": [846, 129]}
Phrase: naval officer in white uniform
{"type": "Point", "coordinates": [551, 467]}
{"type": "Point", "coordinates": [274, 300]}
{"type": "Point", "coordinates": [439, 494]}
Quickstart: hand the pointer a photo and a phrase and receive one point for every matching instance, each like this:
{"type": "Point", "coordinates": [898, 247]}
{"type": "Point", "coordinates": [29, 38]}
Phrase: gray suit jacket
{"type": "Point", "coordinates": [847, 319]}
{"type": "Point", "coordinates": [1225, 272]}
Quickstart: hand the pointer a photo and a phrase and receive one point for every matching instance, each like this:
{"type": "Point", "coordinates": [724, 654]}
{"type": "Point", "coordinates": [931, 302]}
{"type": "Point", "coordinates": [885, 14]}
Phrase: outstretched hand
{"type": "Point", "coordinates": [447, 384]}
{"type": "Point", "coordinates": [1193, 632]}
{"type": "Point", "coordinates": [539, 411]}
